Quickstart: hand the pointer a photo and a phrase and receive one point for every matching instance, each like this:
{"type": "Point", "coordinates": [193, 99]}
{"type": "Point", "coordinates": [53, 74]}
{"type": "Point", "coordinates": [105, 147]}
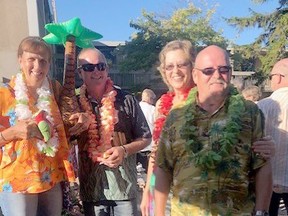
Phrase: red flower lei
{"type": "Point", "coordinates": [166, 103]}
{"type": "Point", "coordinates": [97, 145]}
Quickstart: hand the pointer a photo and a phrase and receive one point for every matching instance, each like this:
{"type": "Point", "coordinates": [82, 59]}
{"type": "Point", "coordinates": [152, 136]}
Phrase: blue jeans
{"type": "Point", "coordinates": [48, 203]}
{"type": "Point", "coordinates": [111, 208]}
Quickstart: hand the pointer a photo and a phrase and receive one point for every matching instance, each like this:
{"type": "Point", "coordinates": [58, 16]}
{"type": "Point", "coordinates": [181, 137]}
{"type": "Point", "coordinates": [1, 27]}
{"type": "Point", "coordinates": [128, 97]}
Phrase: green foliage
{"type": "Point", "coordinates": [271, 45]}
{"type": "Point", "coordinates": [153, 32]}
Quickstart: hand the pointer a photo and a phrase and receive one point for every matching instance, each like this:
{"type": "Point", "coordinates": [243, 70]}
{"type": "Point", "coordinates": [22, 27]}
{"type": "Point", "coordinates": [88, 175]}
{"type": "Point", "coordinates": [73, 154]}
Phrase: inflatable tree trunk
{"type": "Point", "coordinates": [70, 34]}
{"type": "Point", "coordinates": [68, 101]}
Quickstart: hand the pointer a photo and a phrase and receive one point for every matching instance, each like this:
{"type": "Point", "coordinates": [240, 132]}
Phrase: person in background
{"type": "Point", "coordinates": [252, 93]}
{"type": "Point", "coordinates": [148, 109]}
{"type": "Point", "coordinates": [275, 109]}
{"type": "Point", "coordinates": [34, 150]}
{"type": "Point", "coordinates": [205, 148]}
{"type": "Point", "coordinates": [107, 153]}
{"type": "Point", "coordinates": [176, 64]}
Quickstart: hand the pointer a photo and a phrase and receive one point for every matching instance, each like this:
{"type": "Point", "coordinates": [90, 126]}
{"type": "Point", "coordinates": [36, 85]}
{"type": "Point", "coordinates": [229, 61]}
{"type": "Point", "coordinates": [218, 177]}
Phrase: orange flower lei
{"type": "Point", "coordinates": [100, 140]}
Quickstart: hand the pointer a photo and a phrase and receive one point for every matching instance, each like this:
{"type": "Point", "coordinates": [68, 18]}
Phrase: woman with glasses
{"type": "Point", "coordinates": [33, 146]}
{"type": "Point", "coordinates": [176, 65]}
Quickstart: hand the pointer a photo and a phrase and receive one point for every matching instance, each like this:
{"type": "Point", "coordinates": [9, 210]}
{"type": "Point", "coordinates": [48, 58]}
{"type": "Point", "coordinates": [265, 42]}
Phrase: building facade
{"type": "Point", "coordinates": [19, 18]}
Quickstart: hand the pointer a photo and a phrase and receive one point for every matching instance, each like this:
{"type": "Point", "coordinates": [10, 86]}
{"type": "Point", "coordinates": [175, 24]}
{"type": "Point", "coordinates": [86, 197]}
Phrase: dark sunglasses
{"type": "Point", "coordinates": [221, 69]}
{"type": "Point", "coordinates": [91, 67]}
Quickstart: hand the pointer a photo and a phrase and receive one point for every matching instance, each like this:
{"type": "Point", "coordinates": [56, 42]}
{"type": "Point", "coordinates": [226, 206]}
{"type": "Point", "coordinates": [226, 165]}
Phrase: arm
{"type": "Point", "coordinates": [117, 153]}
{"type": "Point", "coordinates": [137, 145]}
{"type": "Point", "coordinates": [82, 123]}
{"type": "Point", "coordinates": [23, 129]}
{"type": "Point", "coordinates": [263, 171]}
{"type": "Point", "coordinates": [145, 196]}
{"type": "Point", "coordinates": [263, 181]}
{"type": "Point", "coordinates": [151, 164]}
{"type": "Point", "coordinates": [162, 187]}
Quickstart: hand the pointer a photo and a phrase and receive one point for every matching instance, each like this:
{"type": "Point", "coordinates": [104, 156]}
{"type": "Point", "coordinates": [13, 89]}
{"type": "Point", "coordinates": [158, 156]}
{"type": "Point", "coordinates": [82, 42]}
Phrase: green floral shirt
{"type": "Point", "coordinates": [226, 188]}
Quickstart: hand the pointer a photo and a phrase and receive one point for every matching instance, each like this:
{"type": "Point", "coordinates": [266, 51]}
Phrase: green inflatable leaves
{"type": "Point", "coordinates": [60, 31]}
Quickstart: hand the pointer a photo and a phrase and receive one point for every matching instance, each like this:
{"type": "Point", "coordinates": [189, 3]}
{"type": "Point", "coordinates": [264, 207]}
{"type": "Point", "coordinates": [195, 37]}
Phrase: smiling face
{"type": "Point", "coordinates": [178, 70]}
{"type": "Point", "coordinates": [35, 67]}
{"type": "Point", "coordinates": [216, 84]}
{"type": "Point", "coordinates": [34, 57]}
{"type": "Point", "coordinates": [94, 80]}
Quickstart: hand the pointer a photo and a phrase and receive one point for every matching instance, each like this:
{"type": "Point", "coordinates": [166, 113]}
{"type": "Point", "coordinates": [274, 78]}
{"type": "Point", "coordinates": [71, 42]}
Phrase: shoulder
{"type": "Point", "coordinates": [165, 100]}
{"type": "Point", "coordinates": [157, 105]}
{"type": "Point", "coordinates": [7, 88]}
{"type": "Point", "coordinates": [57, 89]}
{"type": "Point", "coordinates": [251, 108]}
{"type": "Point", "coordinates": [176, 115]}
{"type": "Point", "coordinates": [4, 87]}
{"type": "Point", "coordinates": [267, 103]}
{"type": "Point", "coordinates": [126, 98]}
{"type": "Point", "coordinates": [250, 104]}
{"type": "Point", "coordinates": [122, 93]}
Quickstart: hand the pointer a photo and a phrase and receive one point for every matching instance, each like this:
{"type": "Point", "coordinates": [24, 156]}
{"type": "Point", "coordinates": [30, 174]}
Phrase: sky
{"type": "Point", "coordinates": [111, 18]}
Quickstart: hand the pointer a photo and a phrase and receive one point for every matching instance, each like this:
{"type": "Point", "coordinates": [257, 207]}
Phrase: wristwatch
{"type": "Point", "coordinates": [260, 213]}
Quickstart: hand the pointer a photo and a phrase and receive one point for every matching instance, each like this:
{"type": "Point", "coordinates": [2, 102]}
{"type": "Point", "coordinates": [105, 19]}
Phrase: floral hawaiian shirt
{"type": "Point", "coordinates": [22, 167]}
{"type": "Point", "coordinates": [227, 188]}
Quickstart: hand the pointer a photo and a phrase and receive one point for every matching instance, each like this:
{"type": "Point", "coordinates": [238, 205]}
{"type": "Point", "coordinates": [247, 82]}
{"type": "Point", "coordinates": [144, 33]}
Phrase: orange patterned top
{"type": "Point", "coordinates": [22, 167]}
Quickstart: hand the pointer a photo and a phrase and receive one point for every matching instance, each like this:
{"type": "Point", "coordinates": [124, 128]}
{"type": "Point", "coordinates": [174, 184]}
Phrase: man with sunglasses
{"type": "Point", "coordinates": [205, 149]}
{"type": "Point", "coordinates": [108, 182]}
{"type": "Point", "coordinates": [275, 109]}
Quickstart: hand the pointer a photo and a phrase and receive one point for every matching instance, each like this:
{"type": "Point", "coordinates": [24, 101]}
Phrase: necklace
{"type": "Point", "coordinates": [99, 140]}
{"type": "Point", "coordinates": [165, 105]}
{"type": "Point", "coordinates": [166, 102]}
{"type": "Point", "coordinates": [22, 111]}
{"type": "Point", "coordinates": [227, 136]}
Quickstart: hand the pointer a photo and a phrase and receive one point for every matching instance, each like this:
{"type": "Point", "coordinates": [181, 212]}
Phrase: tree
{"type": "Point", "coordinates": [271, 45]}
{"type": "Point", "coordinates": [155, 31]}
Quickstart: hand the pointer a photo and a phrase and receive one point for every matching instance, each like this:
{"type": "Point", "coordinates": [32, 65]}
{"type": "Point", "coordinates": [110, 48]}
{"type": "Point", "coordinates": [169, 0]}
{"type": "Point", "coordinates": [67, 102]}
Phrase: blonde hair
{"type": "Point", "coordinates": [184, 45]}
{"type": "Point", "coordinates": [34, 44]}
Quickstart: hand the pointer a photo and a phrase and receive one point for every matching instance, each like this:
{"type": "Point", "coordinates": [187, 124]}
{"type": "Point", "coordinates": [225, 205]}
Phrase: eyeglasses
{"type": "Point", "coordinates": [221, 69]}
{"type": "Point", "coordinates": [271, 75]}
{"type": "Point", "coordinates": [170, 67]}
{"type": "Point", "coordinates": [91, 67]}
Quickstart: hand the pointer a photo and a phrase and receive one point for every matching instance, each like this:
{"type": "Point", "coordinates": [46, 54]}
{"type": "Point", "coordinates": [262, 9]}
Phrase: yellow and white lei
{"type": "Point", "coordinates": [22, 111]}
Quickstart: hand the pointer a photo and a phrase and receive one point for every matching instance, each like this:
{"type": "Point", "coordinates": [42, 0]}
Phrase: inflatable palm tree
{"type": "Point", "coordinates": [70, 34]}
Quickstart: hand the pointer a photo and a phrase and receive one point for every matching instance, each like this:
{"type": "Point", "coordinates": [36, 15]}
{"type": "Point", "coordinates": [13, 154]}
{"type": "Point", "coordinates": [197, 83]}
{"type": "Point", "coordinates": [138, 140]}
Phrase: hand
{"type": "Point", "coordinates": [144, 206]}
{"type": "Point", "coordinates": [265, 147]}
{"type": "Point", "coordinates": [115, 157]}
{"type": "Point", "coordinates": [82, 123]}
{"type": "Point", "coordinates": [27, 129]}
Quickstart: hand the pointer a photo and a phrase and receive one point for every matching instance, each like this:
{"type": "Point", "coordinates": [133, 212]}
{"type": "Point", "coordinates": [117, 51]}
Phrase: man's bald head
{"type": "Point", "coordinates": [210, 50]}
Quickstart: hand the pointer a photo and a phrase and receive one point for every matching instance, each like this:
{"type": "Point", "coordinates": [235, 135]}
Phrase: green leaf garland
{"type": "Point", "coordinates": [228, 136]}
